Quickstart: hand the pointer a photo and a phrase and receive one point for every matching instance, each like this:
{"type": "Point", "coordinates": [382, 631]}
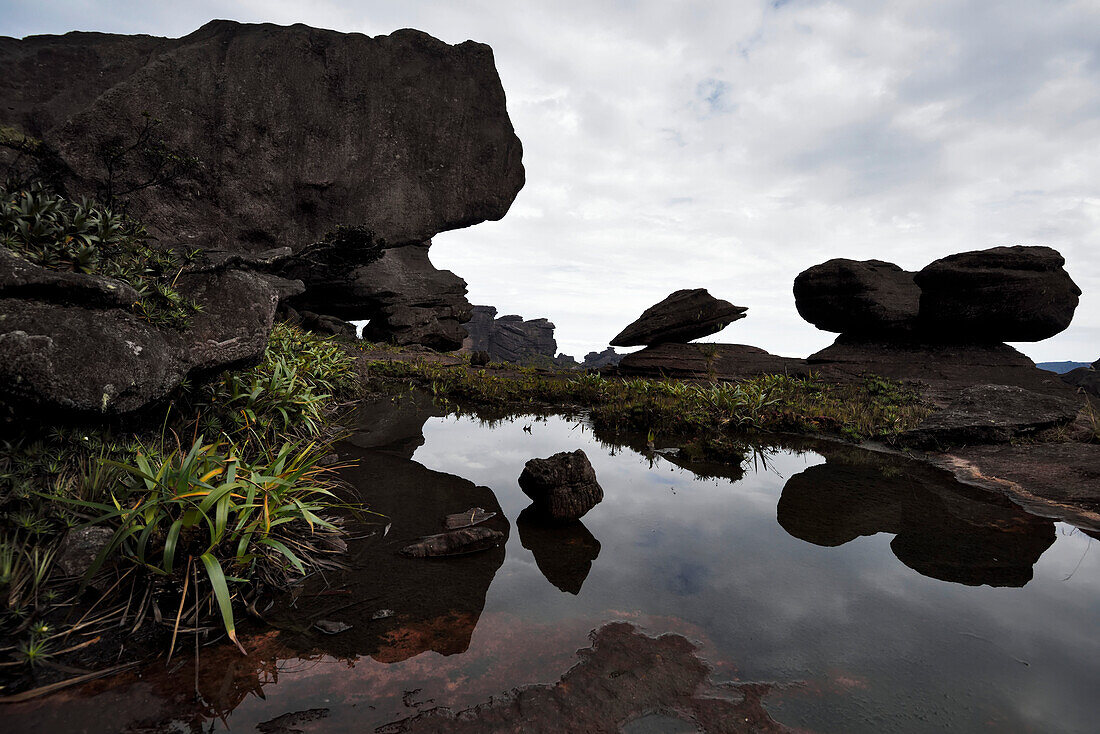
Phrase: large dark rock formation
{"type": "Point", "coordinates": [510, 338]}
{"type": "Point", "coordinates": [683, 316]}
{"type": "Point", "coordinates": [246, 137]}
{"type": "Point", "coordinates": [297, 129]}
{"type": "Point", "coordinates": [849, 296]}
{"type": "Point", "coordinates": [981, 297]}
{"type": "Point", "coordinates": [1002, 294]}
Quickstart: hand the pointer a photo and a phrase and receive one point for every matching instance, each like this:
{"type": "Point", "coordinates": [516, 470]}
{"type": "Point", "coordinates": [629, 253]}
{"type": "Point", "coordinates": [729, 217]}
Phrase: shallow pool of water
{"type": "Point", "coordinates": [837, 591]}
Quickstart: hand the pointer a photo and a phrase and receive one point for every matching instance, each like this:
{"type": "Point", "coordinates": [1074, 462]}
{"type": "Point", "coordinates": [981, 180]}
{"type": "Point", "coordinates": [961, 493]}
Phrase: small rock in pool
{"type": "Point", "coordinates": [330, 627]}
{"type": "Point", "coordinates": [454, 542]}
{"type": "Point", "coordinates": [563, 486]}
{"type": "Point", "coordinates": [469, 518]}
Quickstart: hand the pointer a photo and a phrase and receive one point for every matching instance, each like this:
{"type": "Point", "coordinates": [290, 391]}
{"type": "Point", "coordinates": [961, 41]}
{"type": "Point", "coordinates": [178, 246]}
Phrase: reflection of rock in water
{"type": "Point", "coordinates": [944, 530]}
{"type": "Point", "coordinates": [563, 551]}
{"type": "Point", "coordinates": [624, 677]}
{"type": "Point", "coordinates": [436, 601]}
{"type": "Point", "coordinates": [393, 423]}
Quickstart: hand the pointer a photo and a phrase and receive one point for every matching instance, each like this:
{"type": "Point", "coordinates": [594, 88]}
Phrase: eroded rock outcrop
{"type": "Point", "coordinates": [510, 338]}
{"type": "Point", "coordinates": [719, 361]}
{"type": "Point", "coordinates": [81, 351]}
{"type": "Point", "coordinates": [681, 317]}
{"type": "Point", "coordinates": [240, 138]}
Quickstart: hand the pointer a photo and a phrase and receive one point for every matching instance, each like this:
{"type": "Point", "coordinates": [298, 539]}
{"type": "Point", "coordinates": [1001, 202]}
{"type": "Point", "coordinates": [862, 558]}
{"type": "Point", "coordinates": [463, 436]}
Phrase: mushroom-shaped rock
{"type": "Point", "coordinates": [1000, 294]}
{"type": "Point", "coordinates": [563, 486]}
{"type": "Point", "coordinates": [857, 297]}
{"type": "Point", "coordinates": [683, 316]}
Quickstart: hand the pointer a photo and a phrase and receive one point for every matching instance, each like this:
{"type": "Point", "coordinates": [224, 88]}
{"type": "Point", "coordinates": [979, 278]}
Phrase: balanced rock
{"type": "Point", "coordinates": [563, 486]}
{"type": "Point", "coordinates": [245, 138]}
{"type": "Point", "coordinates": [857, 297]}
{"type": "Point", "coordinates": [683, 316]}
{"type": "Point", "coordinates": [295, 129]}
{"type": "Point", "coordinates": [1000, 294]}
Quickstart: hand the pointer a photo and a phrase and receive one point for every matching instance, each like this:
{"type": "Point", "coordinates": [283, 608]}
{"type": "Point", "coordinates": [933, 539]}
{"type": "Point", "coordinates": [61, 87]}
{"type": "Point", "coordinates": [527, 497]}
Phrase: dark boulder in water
{"type": "Point", "coordinates": [563, 486]}
{"type": "Point", "coordinates": [683, 316]}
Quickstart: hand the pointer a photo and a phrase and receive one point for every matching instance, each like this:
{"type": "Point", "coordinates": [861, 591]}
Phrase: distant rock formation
{"type": "Point", "coordinates": [596, 360]}
{"type": "Point", "coordinates": [1085, 378]}
{"type": "Point", "coordinates": [681, 317]}
{"type": "Point", "coordinates": [510, 338]}
{"type": "Point", "coordinates": [946, 323]}
{"type": "Point", "coordinates": [981, 297]}
{"type": "Point", "coordinates": [242, 138]}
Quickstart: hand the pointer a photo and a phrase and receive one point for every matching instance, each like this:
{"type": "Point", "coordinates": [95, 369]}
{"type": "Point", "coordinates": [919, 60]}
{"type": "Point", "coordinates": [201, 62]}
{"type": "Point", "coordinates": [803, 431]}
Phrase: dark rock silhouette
{"type": "Point", "coordinates": [510, 338]}
{"type": "Point", "coordinates": [1000, 294]}
{"type": "Point", "coordinates": [682, 316]}
{"type": "Point", "coordinates": [606, 358]}
{"type": "Point", "coordinates": [1085, 378]}
{"type": "Point", "coordinates": [563, 486]}
{"type": "Point", "coordinates": [297, 129]}
{"type": "Point", "coordinates": [242, 138]}
{"type": "Point", "coordinates": [722, 361]}
{"type": "Point", "coordinates": [944, 530]}
{"type": "Point", "coordinates": [564, 551]}
{"type": "Point", "coordinates": [849, 296]}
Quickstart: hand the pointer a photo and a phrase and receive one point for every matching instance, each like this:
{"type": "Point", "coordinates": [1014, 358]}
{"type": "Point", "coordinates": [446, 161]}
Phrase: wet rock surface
{"type": "Point", "coordinates": [624, 677]}
{"type": "Point", "coordinates": [454, 543]}
{"type": "Point", "coordinates": [943, 530]}
{"type": "Point", "coordinates": [723, 361]}
{"type": "Point", "coordinates": [1000, 294]}
{"type": "Point", "coordinates": [991, 414]}
{"type": "Point", "coordinates": [563, 486]}
{"type": "Point", "coordinates": [857, 297]}
{"type": "Point", "coordinates": [682, 316]}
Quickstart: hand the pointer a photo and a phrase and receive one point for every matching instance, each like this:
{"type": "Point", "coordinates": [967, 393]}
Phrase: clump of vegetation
{"type": "Point", "coordinates": [198, 527]}
{"type": "Point", "coordinates": [88, 237]}
{"type": "Point", "coordinates": [875, 409]}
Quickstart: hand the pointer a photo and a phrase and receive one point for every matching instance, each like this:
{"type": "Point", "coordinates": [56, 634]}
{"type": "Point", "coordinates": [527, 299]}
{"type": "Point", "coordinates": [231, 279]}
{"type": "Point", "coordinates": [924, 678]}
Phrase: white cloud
{"type": "Point", "coordinates": [733, 144]}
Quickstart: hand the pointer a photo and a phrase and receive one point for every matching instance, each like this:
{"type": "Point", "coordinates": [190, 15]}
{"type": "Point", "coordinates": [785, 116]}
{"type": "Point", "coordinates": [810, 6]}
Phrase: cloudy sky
{"type": "Point", "coordinates": [730, 145]}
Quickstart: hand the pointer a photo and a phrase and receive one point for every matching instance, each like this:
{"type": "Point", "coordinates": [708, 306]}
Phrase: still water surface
{"type": "Point", "coordinates": [862, 594]}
